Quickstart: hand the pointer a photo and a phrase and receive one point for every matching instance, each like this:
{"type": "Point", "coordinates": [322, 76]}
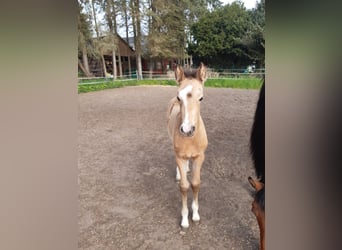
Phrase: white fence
{"type": "Point", "coordinates": [212, 74]}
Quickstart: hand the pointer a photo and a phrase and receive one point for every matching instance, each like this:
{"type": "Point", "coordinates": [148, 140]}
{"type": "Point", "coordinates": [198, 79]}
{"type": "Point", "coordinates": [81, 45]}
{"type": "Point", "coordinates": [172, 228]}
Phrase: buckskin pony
{"type": "Point", "coordinates": [258, 155]}
{"type": "Point", "coordinates": [188, 135]}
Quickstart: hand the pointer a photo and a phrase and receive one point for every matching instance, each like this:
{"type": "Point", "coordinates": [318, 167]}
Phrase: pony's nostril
{"type": "Point", "coordinates": [181, 129]}
{"type": "Point", "coordinates": [193, 129]}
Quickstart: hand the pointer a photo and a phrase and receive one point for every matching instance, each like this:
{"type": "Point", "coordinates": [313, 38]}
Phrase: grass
{"type": "Point", "coordinates": [97, 80]}
{"type": "Point", "coordinates": [242, 83]}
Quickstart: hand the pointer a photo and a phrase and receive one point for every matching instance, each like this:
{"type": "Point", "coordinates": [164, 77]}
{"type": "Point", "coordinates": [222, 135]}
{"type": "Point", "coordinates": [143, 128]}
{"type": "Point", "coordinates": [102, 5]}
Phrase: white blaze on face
{"type": "Point", "coordinates": [183, 96]}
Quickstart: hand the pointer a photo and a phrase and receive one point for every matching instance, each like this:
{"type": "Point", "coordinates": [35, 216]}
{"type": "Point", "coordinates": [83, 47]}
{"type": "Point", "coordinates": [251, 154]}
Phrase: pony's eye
{"type": "Point", "coordinates": [201, 99]}
{"type": "Point", "coordinates": [178, 98]}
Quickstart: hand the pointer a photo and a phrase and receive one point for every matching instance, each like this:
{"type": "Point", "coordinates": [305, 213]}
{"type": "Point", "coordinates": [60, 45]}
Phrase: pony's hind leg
{"type": "Point", "coordinates": [187, 169]}
{"type": "Point", "coordinates": [195, 184]}
{"type": "Point", "coordinates": [184, 186]}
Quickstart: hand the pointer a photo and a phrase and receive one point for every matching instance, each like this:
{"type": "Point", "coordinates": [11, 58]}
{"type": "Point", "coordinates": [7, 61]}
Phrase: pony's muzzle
{"type": "Point", "coordinates": [187, 130]}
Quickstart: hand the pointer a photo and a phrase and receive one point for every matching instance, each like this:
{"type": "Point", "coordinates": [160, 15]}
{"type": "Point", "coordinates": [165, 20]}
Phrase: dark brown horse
{"type": "Point", "coordinates": [258, 155]}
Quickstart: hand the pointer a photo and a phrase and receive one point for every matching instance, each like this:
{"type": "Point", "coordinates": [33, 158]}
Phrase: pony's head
{"type": "Point", "coordinates": [190, 94]}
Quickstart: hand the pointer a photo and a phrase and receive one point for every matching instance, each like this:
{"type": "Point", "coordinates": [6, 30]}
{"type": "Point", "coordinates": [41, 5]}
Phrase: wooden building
{"type": "Point", "coordinates": [128, 62]}
{"type": "Point", "coordinates": [127, 59]}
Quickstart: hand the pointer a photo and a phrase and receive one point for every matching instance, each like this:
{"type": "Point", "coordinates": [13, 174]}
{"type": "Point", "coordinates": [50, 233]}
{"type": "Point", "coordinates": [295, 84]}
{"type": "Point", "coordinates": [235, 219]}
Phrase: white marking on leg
{"type": "Point", "coordinates": [195, 214]}
{"type": "Point", "coordinates": [184, 187]}
{"type": "Point", "coordinates": [185, 220]}
{"type": "Point", "coordinates": [186, 169]}
{"type": "Point", "coordinates": [178, 177]}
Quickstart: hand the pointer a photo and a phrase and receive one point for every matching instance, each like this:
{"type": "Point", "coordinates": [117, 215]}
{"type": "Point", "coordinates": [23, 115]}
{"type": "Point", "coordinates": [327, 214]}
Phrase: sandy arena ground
{"type": "Point", "coordinates": [128, 196]}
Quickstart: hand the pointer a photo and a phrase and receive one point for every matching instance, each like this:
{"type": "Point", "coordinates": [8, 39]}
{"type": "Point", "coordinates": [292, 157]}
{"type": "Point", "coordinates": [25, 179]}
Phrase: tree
{"type": "Point", "coordinates": [169, 26]}
{"type": "Point", "coordinates": [166, 29]}
{"type": "Point", "coordinates": [100, 44]}
{"type": "Point", "coordinates": [85, 45]}
{"type": "Point", "coordinates": [110, 10]}
{"type": "Point", "coordinates": [124, 6]}
{"type": "Point", "coordinates": [255, 39]}
{"type": "Point", "coordinates": [173, 28]}
{"type": "Point", "coordinates": [95, 18]}
{"type": "Point", "coordinates": [219, 38]}
{"type": "Point", "coordinates": [136, 22]}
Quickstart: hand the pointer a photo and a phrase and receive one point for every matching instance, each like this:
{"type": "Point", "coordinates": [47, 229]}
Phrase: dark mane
{"type": "Point", "coordinates": [190, 73]}
{"type": "Point", "coordinates": [258, 136]}
{"type": "Point", "coordinates": [257, 147]}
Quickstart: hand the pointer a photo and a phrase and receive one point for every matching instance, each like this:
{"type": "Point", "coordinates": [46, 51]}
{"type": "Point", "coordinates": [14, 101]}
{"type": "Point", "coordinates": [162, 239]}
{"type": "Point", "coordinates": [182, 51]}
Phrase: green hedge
{"type": "Point", "coordinates": [243, 83]}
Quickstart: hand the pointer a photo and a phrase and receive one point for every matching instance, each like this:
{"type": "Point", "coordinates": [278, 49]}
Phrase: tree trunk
{"type": "Point", "coordinates": [129, 66]}
{"type": "Point", "coordinates": [85, 60]}
{"type": "Point", "coordinates": [104, 65]}
{"type": "Point", "coordinates": [125, 13]}
{"type": "Point", "coordinates": [120, 64]}
{"type": "Point", "coordinates": [87, 74]}
{"type": "Point", "coordinates": [95, 20]}
{"type": "Point", "coordinates": [114, 64]}
{"type": "Point", "coordinates": [151, 68]}
{"type": "Point", "coordinates": [114, 31]}
{"type": "Point", "coordinates": [137, 29]}
{"type": "Point", "coordinates": [131, 3]}
{"type": "Point", "coordinates": [139, 69]}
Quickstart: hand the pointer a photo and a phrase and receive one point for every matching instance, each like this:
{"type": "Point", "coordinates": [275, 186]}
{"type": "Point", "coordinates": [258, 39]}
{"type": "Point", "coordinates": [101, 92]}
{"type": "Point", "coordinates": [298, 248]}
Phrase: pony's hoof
{"type": "Point", "coordinates": [196, 217]}
{"type": "Point", "coordinates": [185, 223]}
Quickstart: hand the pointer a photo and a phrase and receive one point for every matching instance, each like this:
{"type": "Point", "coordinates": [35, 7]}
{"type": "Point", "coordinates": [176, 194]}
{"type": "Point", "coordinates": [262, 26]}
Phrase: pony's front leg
{"type": "Point", "coordinates": [184, 186]}
{"type": "Point", "coordinates": [187, 169]}
{"type": "Point", "coordinates": [195, 184]}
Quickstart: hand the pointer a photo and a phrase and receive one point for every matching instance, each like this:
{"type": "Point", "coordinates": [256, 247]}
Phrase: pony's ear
{"type": "Point", "coordinates": [202, 73]}
{"type": "Point", "coordinates": [179, 74]}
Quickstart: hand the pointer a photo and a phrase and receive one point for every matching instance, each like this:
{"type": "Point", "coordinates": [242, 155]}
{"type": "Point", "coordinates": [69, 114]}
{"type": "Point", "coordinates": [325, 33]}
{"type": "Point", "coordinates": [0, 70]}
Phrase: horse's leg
{"type": "Point", "coordinates": [184, 186]}
{"type": "Point", "coordinates": [195, 184]}
{"type": "Point", "coordinates": [259, 213]}
{"type": "Point", "coordinates": [187, 169]}
{"type": "Point", "coordinates": [258, 208]}
{"type": "Point", "coordinates": [178, 176]}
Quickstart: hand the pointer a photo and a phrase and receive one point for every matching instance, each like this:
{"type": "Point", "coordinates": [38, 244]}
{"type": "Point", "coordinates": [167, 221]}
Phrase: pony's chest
{"type": "Point", "coordinates": [190, 148]}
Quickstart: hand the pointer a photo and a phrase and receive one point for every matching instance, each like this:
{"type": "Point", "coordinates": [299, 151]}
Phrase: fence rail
{"type": "Point", "coordinates": [212, 74]}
